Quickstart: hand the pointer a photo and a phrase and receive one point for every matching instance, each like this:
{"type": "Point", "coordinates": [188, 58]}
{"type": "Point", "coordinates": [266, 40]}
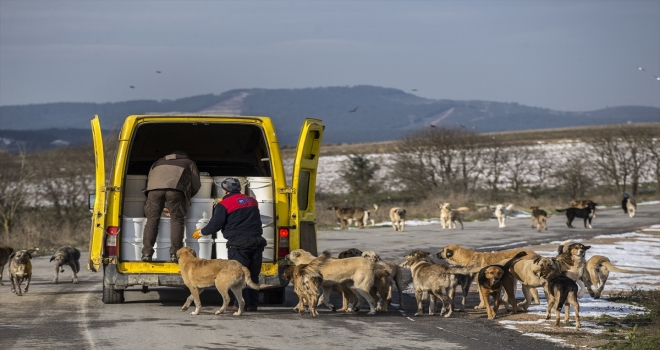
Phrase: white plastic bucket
{"type": "Point", "coordinates": [221, 248]}
{"type": "Point", "coordinates": [269, 250]}
{"type": "Point", "coordinates": [266, 209]}
{"type": "Point", "coordinates": [217, 180]}
{"type": "Point", "coordinates": [132, 228]}
{"type": "Point", "coordinates": [134, 184]}
{"type": "Point", "coordinates": [162, 249]}
{"type": "Point", "coordinates": [207, 187]}
{"type": "Point", "coordinates": [203, 246]}
{"type": "Point", "coordinates": [190, 225]}
{"type": "Point", "coordinates": [164, 230]}
{"type": "Point", "coordinates": [200, 208]}
{"type": "Point", "coordinates": [134, 206]}
{"type": "Point", "coordinates": [260, 188]}
{"type": "Point", "coordinates": [130, 249]}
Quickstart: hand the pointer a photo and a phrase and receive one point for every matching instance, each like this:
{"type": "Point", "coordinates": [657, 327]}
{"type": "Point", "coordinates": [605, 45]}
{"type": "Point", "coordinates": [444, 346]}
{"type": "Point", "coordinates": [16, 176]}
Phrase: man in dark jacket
{"type": "Point", "coordinates": [172, 181]}
{"type": "Point", "coordinates": [238, 217]}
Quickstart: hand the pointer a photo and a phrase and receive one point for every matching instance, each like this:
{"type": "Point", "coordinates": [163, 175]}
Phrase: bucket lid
{"type": "Point", "coordinates": [138, 219]}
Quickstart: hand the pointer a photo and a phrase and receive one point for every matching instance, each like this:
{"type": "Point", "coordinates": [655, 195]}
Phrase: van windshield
{"type": "Point", "coordinates": [219, 149]}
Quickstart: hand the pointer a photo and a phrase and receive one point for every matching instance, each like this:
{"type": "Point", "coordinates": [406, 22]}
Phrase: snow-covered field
{"type": "Point", "coordinates": [556, 153]}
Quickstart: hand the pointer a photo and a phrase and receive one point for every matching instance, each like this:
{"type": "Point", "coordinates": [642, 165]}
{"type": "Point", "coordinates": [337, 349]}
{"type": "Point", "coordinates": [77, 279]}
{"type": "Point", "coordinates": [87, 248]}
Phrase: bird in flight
{"type": "Point", "coordinates": [414, 89]}
{"type": "Point", "coordinates": [353, 110]}
{"type": "Point", "coordinates": [158, 71]}
{"type": "Point", "coordinates": [657, 77]}
{"type": "Point", "coordinates": [132, 87]}
{"type": "Point", "coordinates": [462, 126]}
{"type": "Point", "coordinates": [640, 68]}
{"type": "Point", "coordinates": [433, 126]}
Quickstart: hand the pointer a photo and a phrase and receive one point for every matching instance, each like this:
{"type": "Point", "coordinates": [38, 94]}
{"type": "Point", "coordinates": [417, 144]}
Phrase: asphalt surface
{"type": "Point", "coordinates": [68, 315]}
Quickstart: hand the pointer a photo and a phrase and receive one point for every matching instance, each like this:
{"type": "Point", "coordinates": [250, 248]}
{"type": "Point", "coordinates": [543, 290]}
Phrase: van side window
{"type": "Point", "coordinates": [303, 190]}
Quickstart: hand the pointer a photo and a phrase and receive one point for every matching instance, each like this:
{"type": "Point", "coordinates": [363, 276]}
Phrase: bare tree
{"type": "Point", "coordinates": [540, 170]}
{"type": "Point", "coordinates": [493, 165]}
{"type": "Point", "coordinates": [574, 178]}
{"type": "Point", "coordinates": [15, 175]}
{"type": "Point", "coordinates": [359, 174]}
{"type": "Point", "coordinates": [518, 166]}
{"type": "Point", "coordinates": [651, 145]}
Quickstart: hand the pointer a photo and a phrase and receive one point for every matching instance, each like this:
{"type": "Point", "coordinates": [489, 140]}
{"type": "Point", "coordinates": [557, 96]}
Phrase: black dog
{"type": "Point", "coordinates": [66, 256]}
{"type": "Point", "coordinates": [586, 213]}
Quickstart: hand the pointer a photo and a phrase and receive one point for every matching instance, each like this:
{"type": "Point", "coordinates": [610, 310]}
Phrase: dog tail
{"type": "Point", "coordinates": [462, 209]}
{"type": "Point", "coordinates": [380, 273]}
{"type": "Point", "coordinates": [508, 264]}
{"type": "Point", "coordinates": [316, 264]}
{"type": "Point", "coordinates": [509, 207]}
{"type": "Point", "coordinates": [561, 301]}
{"type": "Point", "coordinates": [614, 268]}
{"type": "Point", "coordinates": [560, 248]}
{"type": "Point", "coordinates": [375, 208]}
{"type": "Point", "coordinates": [248, 280]}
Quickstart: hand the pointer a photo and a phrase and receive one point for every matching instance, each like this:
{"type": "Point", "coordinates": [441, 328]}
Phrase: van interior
{"type": "Point", "coordinates": [219, 150]}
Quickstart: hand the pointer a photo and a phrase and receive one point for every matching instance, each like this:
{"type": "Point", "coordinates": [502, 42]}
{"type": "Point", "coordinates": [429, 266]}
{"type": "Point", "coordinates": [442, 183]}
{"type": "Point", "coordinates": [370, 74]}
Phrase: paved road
{"type": "Point", "coordinates": [66, 315]}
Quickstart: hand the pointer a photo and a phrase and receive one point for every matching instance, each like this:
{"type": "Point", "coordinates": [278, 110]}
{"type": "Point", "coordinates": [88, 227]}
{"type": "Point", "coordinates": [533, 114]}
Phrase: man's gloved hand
{"type": "Point", "coordinates": [197, 234]}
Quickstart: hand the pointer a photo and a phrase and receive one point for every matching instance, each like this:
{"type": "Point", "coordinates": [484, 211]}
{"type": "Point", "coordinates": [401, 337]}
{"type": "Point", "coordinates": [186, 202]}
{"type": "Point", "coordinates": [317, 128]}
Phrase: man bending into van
{"type": "Point", "coordinates": [237, 215]}
{"type": "Point", "coordinates": [172, 181]}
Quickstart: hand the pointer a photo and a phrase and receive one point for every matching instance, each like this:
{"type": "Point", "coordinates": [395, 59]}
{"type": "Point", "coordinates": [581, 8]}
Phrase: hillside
{"type": "Point", "coordinates": [382, 113]}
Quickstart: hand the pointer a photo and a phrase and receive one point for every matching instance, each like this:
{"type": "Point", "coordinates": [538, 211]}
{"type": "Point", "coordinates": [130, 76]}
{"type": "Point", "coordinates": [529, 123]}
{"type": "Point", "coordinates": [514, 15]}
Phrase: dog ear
{"type": "Point", "coordinates": [536, 261]}
{"type": "Point", "coordinates": [52, 258]}
{"type": "Point", "coordinates": [587, 247]}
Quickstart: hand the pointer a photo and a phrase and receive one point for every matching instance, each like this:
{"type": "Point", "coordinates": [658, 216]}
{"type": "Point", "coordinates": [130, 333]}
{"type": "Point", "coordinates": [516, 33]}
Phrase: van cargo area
{"type": "Point", "coordinates": [220, 151]}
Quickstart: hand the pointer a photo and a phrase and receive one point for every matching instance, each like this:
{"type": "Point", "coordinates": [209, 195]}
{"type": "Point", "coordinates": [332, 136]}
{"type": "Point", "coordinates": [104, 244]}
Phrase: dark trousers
{"type": "Point", "coordinates": [153, 208]}
{"type": "Point", "coordinates": [250, 258]}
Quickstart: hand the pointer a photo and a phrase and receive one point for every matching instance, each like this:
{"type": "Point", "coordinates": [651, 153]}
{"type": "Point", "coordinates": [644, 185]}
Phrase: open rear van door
{"type": "Point", "coordinates": [98, 214]}
{"type": "Point", "coordinates": [303, 206]}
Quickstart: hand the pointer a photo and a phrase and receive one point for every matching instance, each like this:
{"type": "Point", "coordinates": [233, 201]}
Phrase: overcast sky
{"type": "Point", "coordinates": [563, 55]}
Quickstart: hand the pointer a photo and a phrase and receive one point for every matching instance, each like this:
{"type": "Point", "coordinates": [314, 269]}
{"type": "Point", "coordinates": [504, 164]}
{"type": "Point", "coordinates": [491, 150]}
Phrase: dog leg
{"type": "Point", "coordinates": [451, 292]}
{"type": "Point", "coordinates": [186, 305]}
{"type": "Point", "coordinates": [326, 298]}
{"type": "Point", "coordinates": [27, 283]}
{"type": "Point", "coordinates": [482, 304]}
{"type": "Point", "coordinates": [399, 281]}
{"type": "Point", "coordinates": [223, 290]}
{"type": "Point", "coordinates": [419, 296]}
{"type": "Point", "coordinates": [238, 293]}
{"type": "Point", "coordinates": [599, 292]}
{"type": "Point", "coordinates": [194, 292]}
{"type": "Point", "coordinates": [74, 278]}
{"type": "Point", "coordinates": [433, 303]}
{"type": "Point", "coordinates": [558, 314]}
{"type": "Point", "coordinates": [484, 300]}
{"type": "Point", "coordinates": [15, 285]}
{"type": "Point", "coordinates": [576, 308]}
{"type": "Point", "coordinates": [582, 288]}
{"type": "Point", "coordinates": [57, 272]}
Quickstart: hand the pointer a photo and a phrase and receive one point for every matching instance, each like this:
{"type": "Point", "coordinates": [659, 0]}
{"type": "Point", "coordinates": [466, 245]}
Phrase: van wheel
{"type": "Point", "coordinates": [274, 296]}
{"type": "Point", "coordinates": [111, 296]}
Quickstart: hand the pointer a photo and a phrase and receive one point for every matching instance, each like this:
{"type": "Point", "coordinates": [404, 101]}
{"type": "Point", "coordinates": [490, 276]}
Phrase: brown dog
{"type": "Point", "coordinates": [398, 218]}
{"type": "Point", "coordinates": [435, 280]}
{"type": "Point", "coordinates": [560, 289]}
{"type": "Point", "coordinates": [198, 274]}
{"type": "Point", "coordinates": [20, 268]}
{"type": "Point", "coordinates": [307, 281]}
{"type": "Point", "coordinates": [459, 256]}
{"type": "Point", "coordinates": [541, 218]}
{"type": "Point", "coordinates": [572, 262]}
{"type": "Point", "coordinates": [491, 279]}
{"type": "Point", "coordinates": [596, 272]}
{"type": "Point", "coordinates": [346, 215]}
{"type": "Point", "coordinates": [396, 275]}
{"type": "Point", "coordinates": [358, 273]}
{"type": "Point", "coordinates": [5, 252]}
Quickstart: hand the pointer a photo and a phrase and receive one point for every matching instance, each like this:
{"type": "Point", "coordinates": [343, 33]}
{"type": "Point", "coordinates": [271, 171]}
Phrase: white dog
{"type": "Point", "coordinates": [501, 213]}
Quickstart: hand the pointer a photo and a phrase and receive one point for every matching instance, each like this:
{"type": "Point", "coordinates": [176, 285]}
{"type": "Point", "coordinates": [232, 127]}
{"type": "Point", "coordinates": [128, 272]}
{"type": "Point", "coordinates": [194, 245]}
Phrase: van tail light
{"type": "Point", "coordinates": [111, 242]}
{"type": "Point", "coordinates": [283, 246]}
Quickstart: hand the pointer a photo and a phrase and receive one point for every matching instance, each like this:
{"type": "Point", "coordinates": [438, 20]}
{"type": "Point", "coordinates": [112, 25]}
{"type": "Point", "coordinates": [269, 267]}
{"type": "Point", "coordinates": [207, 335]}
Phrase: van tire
{"type": "Point", "coordinates": [274, 296]}
{"type": "Point", "coordinates": [111, 296]}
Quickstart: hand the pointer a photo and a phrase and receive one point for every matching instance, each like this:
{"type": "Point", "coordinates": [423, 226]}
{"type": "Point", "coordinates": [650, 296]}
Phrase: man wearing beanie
{"type": "Point", "coordinates": [238, 217]}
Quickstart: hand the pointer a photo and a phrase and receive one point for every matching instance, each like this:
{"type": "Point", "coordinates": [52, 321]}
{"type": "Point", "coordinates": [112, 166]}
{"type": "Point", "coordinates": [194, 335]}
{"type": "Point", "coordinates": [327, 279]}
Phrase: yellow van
{"type": "Point", "coordinates": [222, 146]}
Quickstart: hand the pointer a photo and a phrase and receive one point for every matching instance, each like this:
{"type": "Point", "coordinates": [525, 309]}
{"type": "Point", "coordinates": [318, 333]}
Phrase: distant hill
{"type": "Point", "coordinates": [382, 113]}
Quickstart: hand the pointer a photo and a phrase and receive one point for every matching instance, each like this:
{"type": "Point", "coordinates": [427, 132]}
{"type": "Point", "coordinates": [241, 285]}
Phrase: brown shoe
{"type": "Point", "coordinates": [231, 308]}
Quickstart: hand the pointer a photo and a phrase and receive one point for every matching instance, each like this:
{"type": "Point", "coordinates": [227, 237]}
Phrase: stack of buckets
{"type": "Point", "coordinates": [199, 213]}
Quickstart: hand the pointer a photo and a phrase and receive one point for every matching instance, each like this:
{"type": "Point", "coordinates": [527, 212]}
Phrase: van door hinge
{"type": "Point", "coordinates": [286, 190]}
{"type": "Point", "coordinates": [111, 188]}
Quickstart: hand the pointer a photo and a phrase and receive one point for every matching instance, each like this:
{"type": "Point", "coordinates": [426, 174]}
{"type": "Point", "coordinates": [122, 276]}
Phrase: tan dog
{"type": "Point", "coordinates": [395, 273]}
{"type": "Point", "coordinates": [572, 261]}
{"type": "Point", "coordinates": [307, 281]}
{"type": "Point", "coordinates": [5, 252]}
{"type": "Point", "coordinates": [560, 289]}
{"type": "Point", "coordinates": [459, 256]}
{"type": "Point", "coordinates": [398, 218]}
{"type": "Point", "coordinates": [541, 218]}
{"type": "Point", "coordinates": [523, 271]}
{"type": "Point", "coordinates": [435, 280]}
{"type": "Point", "coordinates": [448, 216]}
{"type": "Point", "coordinates": [596, 272]}
{"type": "Point", "coordinates": [20, 268]}
{"type": "Point", "coordinates": [198, 274]}
{"type": "Point", "coordinates": [492, 279]}
{"type": "Point", "coordinates": [357, 273]}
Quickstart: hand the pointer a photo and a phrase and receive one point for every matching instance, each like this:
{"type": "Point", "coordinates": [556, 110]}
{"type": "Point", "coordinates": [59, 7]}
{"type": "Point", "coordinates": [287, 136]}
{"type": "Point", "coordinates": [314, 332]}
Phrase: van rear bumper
{"type": "Point", "coordinates": [117, 280]}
